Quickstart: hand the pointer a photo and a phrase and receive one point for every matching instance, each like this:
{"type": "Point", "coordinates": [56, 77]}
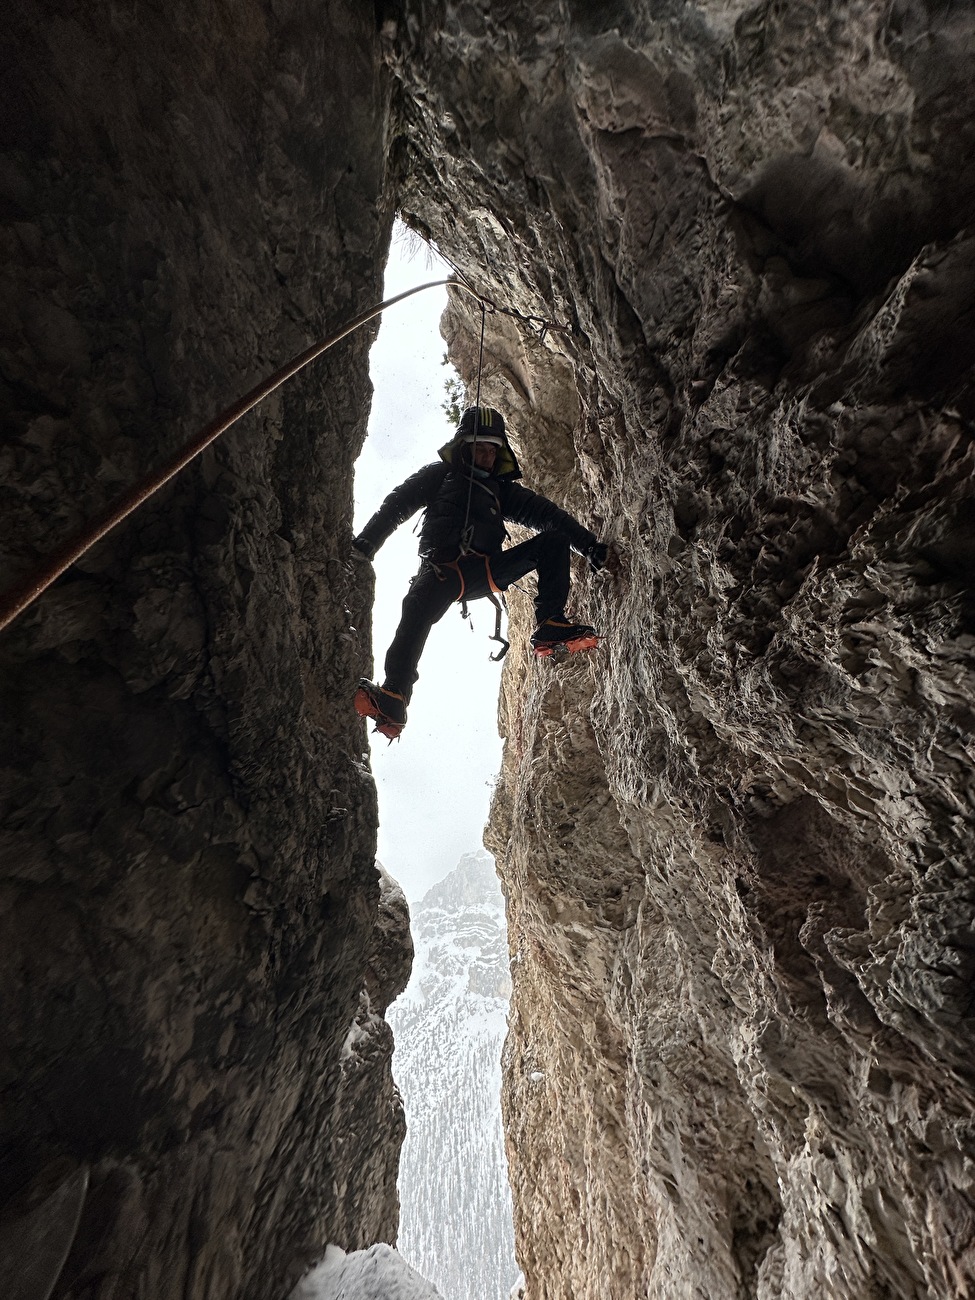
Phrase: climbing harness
{"type": "Point", "coordinates": [23, 594]}
{"type": "Point", "coordinates": [495, 595]}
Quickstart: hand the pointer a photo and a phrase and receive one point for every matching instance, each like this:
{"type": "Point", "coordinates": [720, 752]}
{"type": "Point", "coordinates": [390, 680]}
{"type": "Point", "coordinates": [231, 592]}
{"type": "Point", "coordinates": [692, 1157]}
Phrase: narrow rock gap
{"type": "Point", "coordinates": [434, 788]}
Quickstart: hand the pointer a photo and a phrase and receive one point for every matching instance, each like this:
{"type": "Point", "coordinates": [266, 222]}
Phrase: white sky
{"type": "Point", "coordinates": [435, 781]}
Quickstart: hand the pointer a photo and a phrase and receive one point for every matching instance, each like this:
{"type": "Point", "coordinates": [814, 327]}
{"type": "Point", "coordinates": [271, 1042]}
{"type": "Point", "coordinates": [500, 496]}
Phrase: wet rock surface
{"type": "Point", "coordinates": [188, 891]}
{"type": "Point", "coordinates": [736, 841]}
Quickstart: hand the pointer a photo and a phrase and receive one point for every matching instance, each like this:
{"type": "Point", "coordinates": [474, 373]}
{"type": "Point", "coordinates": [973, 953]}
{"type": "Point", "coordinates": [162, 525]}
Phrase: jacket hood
{"type": "Point", "coordinates": [505, 464]}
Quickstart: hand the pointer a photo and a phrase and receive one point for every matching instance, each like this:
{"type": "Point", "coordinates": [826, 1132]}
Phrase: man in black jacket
{"type": "Point", "coordinates": [467, 496]}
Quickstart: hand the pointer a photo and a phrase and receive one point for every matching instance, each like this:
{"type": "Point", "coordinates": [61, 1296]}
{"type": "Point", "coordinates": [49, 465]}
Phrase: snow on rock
{"type": "Point", "coordinates": [379, 1273]}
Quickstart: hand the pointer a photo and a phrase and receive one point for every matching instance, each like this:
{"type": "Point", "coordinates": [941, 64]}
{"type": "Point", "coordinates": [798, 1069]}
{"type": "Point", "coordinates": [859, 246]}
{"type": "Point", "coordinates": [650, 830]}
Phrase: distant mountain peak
{"type": "Point", "coordinates": [473, 881]}
{"type": "Point", "coordinates": [449, 1025]}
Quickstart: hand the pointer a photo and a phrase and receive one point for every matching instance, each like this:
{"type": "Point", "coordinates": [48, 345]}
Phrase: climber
{"type": "Point", "coordinates": [467, 495]}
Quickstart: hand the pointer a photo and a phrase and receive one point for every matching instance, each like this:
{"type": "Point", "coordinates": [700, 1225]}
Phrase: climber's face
{"type": "Point", "coordinates": [485, 454]}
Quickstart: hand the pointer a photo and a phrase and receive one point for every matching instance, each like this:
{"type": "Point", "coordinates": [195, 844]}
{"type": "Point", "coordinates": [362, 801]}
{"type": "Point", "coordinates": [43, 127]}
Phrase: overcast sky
{"type": "Point", "coordinates": [435, 781]}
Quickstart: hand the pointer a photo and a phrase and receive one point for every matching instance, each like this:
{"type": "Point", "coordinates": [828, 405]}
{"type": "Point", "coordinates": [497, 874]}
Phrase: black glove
{"type": "Point", "coordinates": [597, 555]}
{"type": "Point", "coordinates": [364, 548]}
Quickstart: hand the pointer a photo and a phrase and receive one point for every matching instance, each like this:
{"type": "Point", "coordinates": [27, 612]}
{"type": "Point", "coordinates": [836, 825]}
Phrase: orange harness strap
{"type": "Point", "coordinates": [455, 565]}
{"type": "Point", "coordinates": [490, 576]}
{"type": "Point", "coordinates": [495, 593]}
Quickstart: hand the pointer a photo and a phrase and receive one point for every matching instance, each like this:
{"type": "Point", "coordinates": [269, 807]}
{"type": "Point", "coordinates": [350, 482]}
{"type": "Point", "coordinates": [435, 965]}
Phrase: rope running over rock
{"type": "Point", "coordinates": [22, 595]}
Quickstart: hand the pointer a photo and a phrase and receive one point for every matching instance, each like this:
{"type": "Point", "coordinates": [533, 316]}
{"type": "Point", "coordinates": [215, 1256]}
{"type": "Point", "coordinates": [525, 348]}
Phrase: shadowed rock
{"type": "Point", "coordinates": [188, 827]}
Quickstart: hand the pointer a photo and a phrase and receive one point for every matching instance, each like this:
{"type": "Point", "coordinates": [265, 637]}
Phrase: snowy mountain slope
{"type": "Point", "coordinates": [378, 1273]}
{"type": "Point", "coordinates": [449, 1026]}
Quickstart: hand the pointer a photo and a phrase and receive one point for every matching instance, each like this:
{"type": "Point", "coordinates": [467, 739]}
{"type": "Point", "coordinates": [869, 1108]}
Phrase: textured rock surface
{"type": "Point", "coordinates": [736, 842]}
{"type": "Point", "coordinates": [188, 890]}
{"type": "Point", "coordinates": [366, 1126]}
{"type": "Point", "coordinates": [378, 1273]}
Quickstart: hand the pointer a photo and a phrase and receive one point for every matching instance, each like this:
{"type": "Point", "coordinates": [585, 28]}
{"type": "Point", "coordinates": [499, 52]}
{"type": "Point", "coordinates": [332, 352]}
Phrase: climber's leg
{"type": "Point", "coordinates": [548, 554]}
{"type": "Point", "coordinates": [431, 594]}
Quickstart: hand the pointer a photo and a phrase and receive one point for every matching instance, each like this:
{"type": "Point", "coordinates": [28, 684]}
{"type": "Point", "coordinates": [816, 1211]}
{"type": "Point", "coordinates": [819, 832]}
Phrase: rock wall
{"type": "Point", "coordinates": [737, 840]}
{"type": "Point", "coordinates": [191, 978]}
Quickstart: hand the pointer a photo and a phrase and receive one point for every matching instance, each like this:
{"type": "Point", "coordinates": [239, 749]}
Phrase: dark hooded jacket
{"type": "Point", "coordinates": [457, 499]}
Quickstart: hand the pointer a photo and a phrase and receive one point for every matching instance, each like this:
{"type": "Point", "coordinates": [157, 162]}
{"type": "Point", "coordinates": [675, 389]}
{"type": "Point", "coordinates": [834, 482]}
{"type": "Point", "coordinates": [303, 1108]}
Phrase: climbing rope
{"type": "Point", "coordinates": [538, 325]}
{"type": "Point", "coordinates": [465, 535]}
{"type": "Point", "coordinates": [22, 595]}
{"type": "Point", "coordinates": [494, 594]}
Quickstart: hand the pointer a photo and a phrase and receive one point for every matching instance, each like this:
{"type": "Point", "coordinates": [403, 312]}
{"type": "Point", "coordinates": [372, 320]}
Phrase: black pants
{"type": "Point", "coordinates": [434, 590]}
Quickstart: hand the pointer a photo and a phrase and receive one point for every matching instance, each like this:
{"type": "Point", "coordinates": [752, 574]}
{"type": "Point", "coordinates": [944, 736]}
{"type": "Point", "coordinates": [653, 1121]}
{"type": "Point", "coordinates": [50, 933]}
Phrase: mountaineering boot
{"type": "Point", "coordinates": [559, 636]}
{"type": "Point", "coordinates": [387, 707]}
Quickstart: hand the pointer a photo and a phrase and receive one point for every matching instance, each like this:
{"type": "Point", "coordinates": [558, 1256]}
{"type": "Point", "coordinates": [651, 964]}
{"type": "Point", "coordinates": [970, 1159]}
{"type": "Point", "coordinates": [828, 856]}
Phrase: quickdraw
{"type": "Point", "coordinates": [498, 602]}
{"type": "Point", "coordinates": [496, 597]}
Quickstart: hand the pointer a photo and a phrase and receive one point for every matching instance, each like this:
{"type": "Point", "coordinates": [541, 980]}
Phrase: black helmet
{"type": "Point", "coordinates": [483, 423]}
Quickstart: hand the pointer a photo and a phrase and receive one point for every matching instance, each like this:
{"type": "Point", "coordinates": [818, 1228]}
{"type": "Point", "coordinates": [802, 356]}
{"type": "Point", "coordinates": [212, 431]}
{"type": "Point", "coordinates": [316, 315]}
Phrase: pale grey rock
{"type": "Point", "coordinates": [378, 1273]}
{"type": "Point", "coordinates": [736, 842]}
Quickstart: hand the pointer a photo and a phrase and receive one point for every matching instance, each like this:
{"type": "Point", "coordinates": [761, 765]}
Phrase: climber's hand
{"type": "Point", "coordinates": [604, 559]}
{"type": "Point", "coordinates": [364, 548]}
{"type": "Point", "coordinates": [597, 555]}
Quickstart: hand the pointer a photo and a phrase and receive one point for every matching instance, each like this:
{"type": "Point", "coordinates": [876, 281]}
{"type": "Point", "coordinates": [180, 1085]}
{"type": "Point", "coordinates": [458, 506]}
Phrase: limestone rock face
{"type": "Point", "coordinates": [366, 1128]}
{"type": "Point", "coordinates": [737, 840]}
{"type": "Point", "coordinates": [190, 986]}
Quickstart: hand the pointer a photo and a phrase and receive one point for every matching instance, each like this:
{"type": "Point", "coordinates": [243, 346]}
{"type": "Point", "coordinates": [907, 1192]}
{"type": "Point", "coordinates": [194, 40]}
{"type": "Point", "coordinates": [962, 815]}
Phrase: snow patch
{"type": "Point", "coordinates": [378, 1273]}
